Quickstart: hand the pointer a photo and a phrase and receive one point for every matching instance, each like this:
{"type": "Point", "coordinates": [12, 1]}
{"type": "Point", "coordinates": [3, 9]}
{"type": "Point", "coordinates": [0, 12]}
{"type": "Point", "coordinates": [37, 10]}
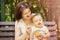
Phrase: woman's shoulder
{"type": "Point", "coordinates": [18, 23]}
{"type": "Point", "coordinates": [21, 23]}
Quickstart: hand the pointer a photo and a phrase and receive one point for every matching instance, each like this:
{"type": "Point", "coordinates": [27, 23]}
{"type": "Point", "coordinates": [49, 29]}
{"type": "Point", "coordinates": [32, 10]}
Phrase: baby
{"type": "Point", "coordinates": [39, 31]}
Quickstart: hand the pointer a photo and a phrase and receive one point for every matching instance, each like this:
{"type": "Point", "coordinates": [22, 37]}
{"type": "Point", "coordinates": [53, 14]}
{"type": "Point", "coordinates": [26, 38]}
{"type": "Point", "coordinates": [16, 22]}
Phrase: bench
{"type": "Point", "coordinates": [7, 30]}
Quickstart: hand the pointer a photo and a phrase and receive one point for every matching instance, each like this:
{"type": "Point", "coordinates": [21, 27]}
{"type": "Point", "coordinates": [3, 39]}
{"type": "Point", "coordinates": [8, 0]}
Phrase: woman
{"type": "Point", "coordinates": [23, 20]}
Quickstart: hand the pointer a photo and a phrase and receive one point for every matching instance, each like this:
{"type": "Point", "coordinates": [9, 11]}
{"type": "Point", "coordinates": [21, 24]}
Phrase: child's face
{"type": "Point", "coordinates": [37, 20]}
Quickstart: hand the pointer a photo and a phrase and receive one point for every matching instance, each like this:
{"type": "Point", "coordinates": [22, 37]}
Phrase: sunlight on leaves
{"type": "Point", "coordinates": [46, 9]}
{"type": "Point", "coordinates": [34, 5]}
{"type": "Point", "coordinates": [39, 0]}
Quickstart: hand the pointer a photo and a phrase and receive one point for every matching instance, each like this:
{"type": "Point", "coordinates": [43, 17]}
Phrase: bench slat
{"type": "Point", "coordinates": [13, 23]}
{"type": "Point", "coordinates": [7, 23]}
{"type": "Point", "coordinates": [52, 38]}
{"type": "Point", "coordinates": [52, 28]}
{"type": "Point", "coordinates": [49, 23]}
{"type": "Point", "coordinates": [6, 38]}
{"type": "Point", "coordinates": [6, 29]}
{"type": "Point", "coordinates": [6, 33]}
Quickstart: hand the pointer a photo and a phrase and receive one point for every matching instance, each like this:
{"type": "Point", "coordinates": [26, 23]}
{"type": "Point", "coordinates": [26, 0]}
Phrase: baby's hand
{"type": "Point", "coordinates": [44, 36]}
{"type": "Point", "coordinates": [40, 37]}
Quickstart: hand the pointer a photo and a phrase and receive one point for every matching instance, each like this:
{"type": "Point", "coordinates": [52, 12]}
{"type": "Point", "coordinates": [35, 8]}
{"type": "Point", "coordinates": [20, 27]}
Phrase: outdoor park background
{"type": "Point", "coordinates": [49, 9]}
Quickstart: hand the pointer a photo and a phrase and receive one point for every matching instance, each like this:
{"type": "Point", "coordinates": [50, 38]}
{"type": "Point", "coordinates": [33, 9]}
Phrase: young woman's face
{"type": "Point", "coordinates": [37, 20]}
{"type": "Point", "coordinates": [26, 14]}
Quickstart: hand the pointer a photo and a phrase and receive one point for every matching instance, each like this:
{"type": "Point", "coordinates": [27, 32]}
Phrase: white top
{"type": "Point", "coordinates": [42, 30]}
{"type": "Point", "coordinates": [22, 26]}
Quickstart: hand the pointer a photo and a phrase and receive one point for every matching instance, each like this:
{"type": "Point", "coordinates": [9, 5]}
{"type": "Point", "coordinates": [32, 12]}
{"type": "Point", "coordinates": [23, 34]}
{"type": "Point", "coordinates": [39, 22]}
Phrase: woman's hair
{"type": "Point", "coordinates": [19, 9]}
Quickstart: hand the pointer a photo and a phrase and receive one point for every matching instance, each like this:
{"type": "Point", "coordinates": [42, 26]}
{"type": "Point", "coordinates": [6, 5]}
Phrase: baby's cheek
{"type": "Point", "coordinates": [36, 23]}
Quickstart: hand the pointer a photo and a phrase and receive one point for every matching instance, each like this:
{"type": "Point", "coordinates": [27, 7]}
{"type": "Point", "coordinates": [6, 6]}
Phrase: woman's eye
{"type": "Point", "coordinates": [25, 13]}
{"type": "Point", "coordinates": [29, 11]}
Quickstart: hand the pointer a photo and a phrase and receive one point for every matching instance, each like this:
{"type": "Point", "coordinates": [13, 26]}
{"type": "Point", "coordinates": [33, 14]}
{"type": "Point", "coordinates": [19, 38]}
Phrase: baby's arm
{"type": "Point", "coordinates": [47, 35]}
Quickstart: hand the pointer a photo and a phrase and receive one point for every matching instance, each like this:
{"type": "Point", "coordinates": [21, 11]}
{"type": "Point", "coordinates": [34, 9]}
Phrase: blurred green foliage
{"type": "Point", "coordinates": [10, 5]}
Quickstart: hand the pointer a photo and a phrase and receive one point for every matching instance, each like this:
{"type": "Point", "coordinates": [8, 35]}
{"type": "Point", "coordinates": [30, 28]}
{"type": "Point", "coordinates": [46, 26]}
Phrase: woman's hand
{"type": "Point", "coordinates": [27, 37]}
{"type": "Point", "coordinates": [28, 33]}
{"type": "Point", "coordinates": [28, 30]}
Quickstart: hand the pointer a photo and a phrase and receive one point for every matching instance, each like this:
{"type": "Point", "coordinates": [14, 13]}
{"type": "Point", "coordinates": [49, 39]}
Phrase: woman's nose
{"type": "Point", "coordinates": [29, 14]}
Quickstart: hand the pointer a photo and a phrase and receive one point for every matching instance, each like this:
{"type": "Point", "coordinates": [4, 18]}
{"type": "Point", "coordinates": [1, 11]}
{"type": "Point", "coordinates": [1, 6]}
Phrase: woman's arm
{"type": "Point", "coordinates": [18, 32]}
{"type": "Point", "coordinates": [31, 36]}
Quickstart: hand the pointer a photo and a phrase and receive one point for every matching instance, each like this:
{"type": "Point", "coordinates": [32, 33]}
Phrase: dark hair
{"type": "Point", "coordinates": [19, 9]}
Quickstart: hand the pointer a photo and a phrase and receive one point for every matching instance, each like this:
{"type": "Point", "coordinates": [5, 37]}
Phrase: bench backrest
{"type": "Point", "coordinates": [7, 30]}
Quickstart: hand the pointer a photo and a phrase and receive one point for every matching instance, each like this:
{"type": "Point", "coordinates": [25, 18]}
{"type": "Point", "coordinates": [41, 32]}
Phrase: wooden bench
{"type": "Point", "coordinates": [7, 30]}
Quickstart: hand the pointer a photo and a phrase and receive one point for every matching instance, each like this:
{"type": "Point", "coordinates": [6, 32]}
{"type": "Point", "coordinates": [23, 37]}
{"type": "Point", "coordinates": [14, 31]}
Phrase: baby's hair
{"type": "Point", "coordinates": [35, 14]}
